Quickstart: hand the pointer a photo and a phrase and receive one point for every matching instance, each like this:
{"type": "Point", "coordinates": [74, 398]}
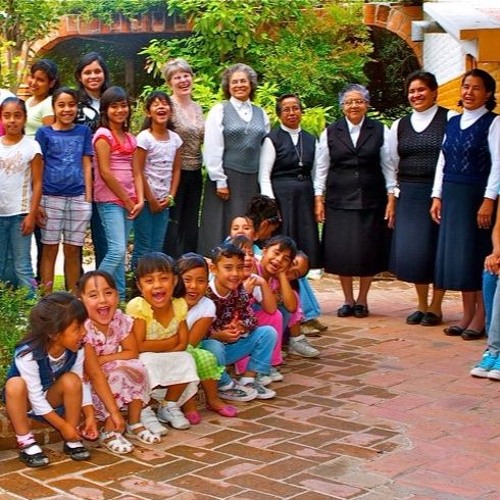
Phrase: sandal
{"type": "Point", "coordinates": [225, 411]}
{"type": "Point", "coordinates": [36, 459]}
{"type": "Point", "coordinates": [194, 417]}
{"type": "Point", "coordinates": [76, 453]}
{"type": "Point", "coordinates": [139, 432]}
{"type": "Point", "coordinates": [115, 442]}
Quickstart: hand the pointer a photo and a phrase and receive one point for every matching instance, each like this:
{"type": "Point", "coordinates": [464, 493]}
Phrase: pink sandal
{"type": "Point", "coordinates": [225, 411]}
{"type": "Point", "coordinates": [194, 417]}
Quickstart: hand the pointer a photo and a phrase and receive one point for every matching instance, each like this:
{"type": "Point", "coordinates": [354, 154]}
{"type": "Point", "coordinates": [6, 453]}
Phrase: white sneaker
{"type": "Point", "coordinates": [315, 274]}
{"type": "Point", "coordinates": [173, 415]}
{"type": "Point", "coordinates": [276, 375]}
{"type": "Point", "coordinates": [237, 392]}
{"type": "Point", "coordinates": [262, 392]}
{"type": "Point", "coordinates": [264, 380]}
{"type": "Point", "coordinates": [301, 347]}
{"type": "Point", "coordinates": [149, 420]}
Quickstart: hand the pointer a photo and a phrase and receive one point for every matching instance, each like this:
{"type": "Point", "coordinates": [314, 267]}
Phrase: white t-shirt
{"type": "Point", "coordinates": [204, 309]}
{"type": "Point", "coordinates": [15, 176]}
{"type": "Point", "coordinates": [36, 114]}
{"type": "Point", "coordinates": [159, 161]}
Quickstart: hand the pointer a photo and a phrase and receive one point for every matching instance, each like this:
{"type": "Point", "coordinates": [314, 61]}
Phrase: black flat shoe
{"type": "Point", "coordinates": [361, 311]}
{"type": "Point", "coordinates": [431, 319]}
{"type": "Point", "coordinates": [78, 453]}
{"type": "Point", "coordinates": [415, 318]}
{"type": "Point", "coordinates": [345, 311]}
{"type": "Point", "coordinates": [36, 460]}
{"type": "Point", "coordinates": [473, 334]}
{"type": "Point", "coordinates": [454, 331]}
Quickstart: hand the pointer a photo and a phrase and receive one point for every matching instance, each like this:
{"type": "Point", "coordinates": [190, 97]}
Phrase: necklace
{"type": "Point", "coordinates": [301, 146]}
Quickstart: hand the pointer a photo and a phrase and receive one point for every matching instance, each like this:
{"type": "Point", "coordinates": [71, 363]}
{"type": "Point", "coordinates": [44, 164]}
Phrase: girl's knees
{"type": "Point", "coordinates": [70, 383]}
{"type": "Point", "coordinates": [16, 388]}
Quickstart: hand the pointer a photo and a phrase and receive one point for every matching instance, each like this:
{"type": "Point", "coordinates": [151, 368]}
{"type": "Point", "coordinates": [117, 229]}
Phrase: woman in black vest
{"type": "Point", "coordinates": [354, 187]}
{"type": "Point", "coordinates": [415, 141]}
{"type": "Point", "coordinates": [234, 131]}
{"type": "Point", "coordinates": [285, 173]}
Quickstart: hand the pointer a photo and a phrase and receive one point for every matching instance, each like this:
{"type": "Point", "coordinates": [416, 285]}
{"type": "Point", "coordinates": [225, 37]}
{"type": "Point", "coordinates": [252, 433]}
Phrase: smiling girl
{"type": "Point", "coordinates": [67, 188]}
{"type": "Point", "coordinates": [159, 158]}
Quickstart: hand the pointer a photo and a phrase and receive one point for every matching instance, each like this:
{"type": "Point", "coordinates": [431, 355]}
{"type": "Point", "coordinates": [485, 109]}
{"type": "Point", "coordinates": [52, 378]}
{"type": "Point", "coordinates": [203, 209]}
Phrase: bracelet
{"type": "Point", "coordinates": [172, 200]}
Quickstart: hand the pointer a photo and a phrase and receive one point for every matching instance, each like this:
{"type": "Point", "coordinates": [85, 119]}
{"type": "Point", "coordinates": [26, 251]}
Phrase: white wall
{"type": "Point", "coordinates": [443, 56]}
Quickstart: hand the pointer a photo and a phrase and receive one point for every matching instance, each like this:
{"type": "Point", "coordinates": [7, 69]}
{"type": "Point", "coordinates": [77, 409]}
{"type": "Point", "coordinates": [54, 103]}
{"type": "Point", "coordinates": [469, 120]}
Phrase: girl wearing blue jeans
{"type": "Point", "coordinates": [118, 186]}
{"type": "Point", "coordinates": [158, 155]}
{"type": "Point", "coordinates": [21, 181]}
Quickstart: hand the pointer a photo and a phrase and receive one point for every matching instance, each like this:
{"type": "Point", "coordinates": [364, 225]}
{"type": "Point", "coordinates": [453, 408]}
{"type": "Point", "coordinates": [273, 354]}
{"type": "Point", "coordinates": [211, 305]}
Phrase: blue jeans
{"type": "Point", "coordinates": [149, 232]}
{"type": "Point", "coordinates": [489, 286]}
{"type": "Point", "coordinates": [259, 345]}
{"type": "Point", "coordinates": [309, 302]}
{"type": "Point", "coordinates": [494, 311]}
{"type": "Point", "coordinates": [15, 251]}
{"type": "Point", "coordinates": [117, 228]}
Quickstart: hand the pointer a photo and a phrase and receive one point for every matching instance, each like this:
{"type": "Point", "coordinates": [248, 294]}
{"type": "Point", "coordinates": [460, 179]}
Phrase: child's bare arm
{"type": "Point", "coordinates": [199, 330]}
{"type": "Point", "coordinates": [287, 293]}
{"type": "Point", "coordinates": [87, 175]}
{"type": "Point", "coordinates": [129, 350]}
{"type": "Point", "coordinates": [268, 303]}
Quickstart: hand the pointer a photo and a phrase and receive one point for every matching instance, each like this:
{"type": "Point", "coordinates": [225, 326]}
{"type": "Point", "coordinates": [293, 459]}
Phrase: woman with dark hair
{"type": "Point", "coordinates": [415, 141]}
{"type": "Point", "coordinates": [233, 136]}
{"type": "Point", "coordinates": [42, 82]}
{"type": "Point", "coordinates": [285, 173]}
{"type": "Point", "coordinates": [354, 187]}
{"type": "Point", "coordinates": [464, 193]}
{"type": "Point", "coordinates": [92, 75]}
{"type": "Point", "coordinates": [182, 232]}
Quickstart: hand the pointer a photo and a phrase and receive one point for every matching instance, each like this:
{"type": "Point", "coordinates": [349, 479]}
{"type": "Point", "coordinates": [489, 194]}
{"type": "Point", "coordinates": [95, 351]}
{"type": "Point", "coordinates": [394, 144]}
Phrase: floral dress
{"type": "Point", "coordinates": [127, 378]}
{"type": "Point", "coordinates": [165, 368]}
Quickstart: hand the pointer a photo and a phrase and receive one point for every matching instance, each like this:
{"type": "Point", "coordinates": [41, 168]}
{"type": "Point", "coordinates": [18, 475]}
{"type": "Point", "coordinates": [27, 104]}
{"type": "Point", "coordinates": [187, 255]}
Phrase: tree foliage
{"type": "Point", "coordinates": [292, 44]}
{"type": "Point", "coordinates": [22, 23]}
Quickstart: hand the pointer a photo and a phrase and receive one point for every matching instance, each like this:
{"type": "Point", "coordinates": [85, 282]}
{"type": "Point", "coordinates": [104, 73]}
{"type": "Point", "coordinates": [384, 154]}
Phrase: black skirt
{"type": "Point", "coordinates": [415, 236]}
{"type": "Point", "coordinates": [216, 215]}
{"type": "Point", "coordinates": [462, 246]}
{"type": "Point", "coordinates": [355, 242]}
{"type": "Point", "coordinates": [296, 203]}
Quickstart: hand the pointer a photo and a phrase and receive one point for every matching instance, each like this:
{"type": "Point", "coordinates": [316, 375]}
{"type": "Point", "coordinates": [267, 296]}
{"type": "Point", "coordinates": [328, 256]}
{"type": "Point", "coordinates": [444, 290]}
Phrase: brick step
{"type": "Point", "coordinates": [44, 433]}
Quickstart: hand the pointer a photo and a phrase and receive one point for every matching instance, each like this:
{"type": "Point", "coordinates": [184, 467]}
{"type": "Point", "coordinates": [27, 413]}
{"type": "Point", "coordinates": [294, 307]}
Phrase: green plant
{"type": "Point", "coordinates": [15, 306]}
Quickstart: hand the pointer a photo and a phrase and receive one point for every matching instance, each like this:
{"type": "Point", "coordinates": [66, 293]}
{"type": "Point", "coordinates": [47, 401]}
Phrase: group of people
{"type": "Point", "coordinates": [418, 199]}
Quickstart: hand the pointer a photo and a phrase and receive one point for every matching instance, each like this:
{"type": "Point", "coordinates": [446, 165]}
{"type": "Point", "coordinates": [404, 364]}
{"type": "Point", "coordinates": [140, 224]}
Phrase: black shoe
{"type": "Point", "coordinates": [361, 311]}
{"type": "Point", "coordinates": [35, 460]}
{"type": "Point", "coordinates": [454, 331]}
{"type": "Point", "coordinates": [473, 334]}
{"type": "Point", "coordinates": [345, 311]}
{"type": "Point", "coordinates": [78, 453]}
{"type": "Point", "coordinates": [431, 319]}
{"type": "Point", "coordinates": [415, 318]}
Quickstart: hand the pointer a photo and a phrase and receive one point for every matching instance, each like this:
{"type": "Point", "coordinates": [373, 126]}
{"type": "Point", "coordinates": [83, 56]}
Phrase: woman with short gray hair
{"type": "Point", "coordinates": [354, 196]}
{"type": "Point", "coordinates": [182, 232]}
{"type": "Point", "coordinates": [234, 132]}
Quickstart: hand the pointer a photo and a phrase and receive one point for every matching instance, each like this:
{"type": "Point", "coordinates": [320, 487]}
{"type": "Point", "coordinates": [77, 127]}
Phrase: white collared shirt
{"type": "Point", "coordinates": [214, 137]}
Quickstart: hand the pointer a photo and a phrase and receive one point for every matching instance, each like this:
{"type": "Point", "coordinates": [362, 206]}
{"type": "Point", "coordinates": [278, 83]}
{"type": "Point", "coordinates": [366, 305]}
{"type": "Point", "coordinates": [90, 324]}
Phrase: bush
{"type": "Point", "coordinates": [14, 312]}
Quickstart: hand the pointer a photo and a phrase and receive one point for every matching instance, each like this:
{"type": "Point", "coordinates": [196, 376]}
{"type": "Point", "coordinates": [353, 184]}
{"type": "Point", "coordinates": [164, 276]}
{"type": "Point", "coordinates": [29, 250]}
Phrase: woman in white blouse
{"type": "Point", "coordinates": [464, 193]}
{"type": "Point", "coordinates": [415, 142]}
{"type": "Point", "coordinates": [234, 131]}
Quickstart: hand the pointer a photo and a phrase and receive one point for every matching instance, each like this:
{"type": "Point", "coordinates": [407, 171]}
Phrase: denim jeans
{"type": "Point", "coordinates": [490, 282]}
{"type": "Point", "coordinates": [15, 251]}
{"type": "Point", "coordinates": [494, 311]}
{"type": "Point", "coordinates": [117, 228]}
{"type": "Point", "coordinates": [259, 345]}
{"type": "Point", "coordinates": [309, 302]}
{"type": "Point", "coordinates": [149, 232]}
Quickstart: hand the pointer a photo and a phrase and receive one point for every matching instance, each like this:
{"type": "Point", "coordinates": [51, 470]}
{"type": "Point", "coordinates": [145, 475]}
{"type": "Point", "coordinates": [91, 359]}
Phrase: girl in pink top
{"type": "Point", "coordinates": [118, 186]}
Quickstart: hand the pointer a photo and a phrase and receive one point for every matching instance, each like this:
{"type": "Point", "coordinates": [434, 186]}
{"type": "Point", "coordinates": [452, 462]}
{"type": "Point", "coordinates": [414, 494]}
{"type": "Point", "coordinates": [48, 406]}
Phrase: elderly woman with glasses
{"type": "Point", "coordinates": [234, 131]}
{"type": "Point", "coordinates": [285, 173]}
{"type": "Point", "coordinates": [354, 197]}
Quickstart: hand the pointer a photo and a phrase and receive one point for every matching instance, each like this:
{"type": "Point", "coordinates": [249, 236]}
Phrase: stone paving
{"type": "Point", "coordinates": [388, 412]}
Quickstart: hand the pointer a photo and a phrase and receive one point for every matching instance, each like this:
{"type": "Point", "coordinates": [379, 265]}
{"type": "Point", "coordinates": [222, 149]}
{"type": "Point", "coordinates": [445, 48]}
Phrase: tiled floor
{"type": "Point", "coordinates": [388, 412]}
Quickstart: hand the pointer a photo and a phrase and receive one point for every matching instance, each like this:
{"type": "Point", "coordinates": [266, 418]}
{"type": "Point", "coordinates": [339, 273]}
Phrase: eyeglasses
{"type": "Point", "coordinates": [293, 109]}
{"type": "Point", "coordinates": [354, 102]}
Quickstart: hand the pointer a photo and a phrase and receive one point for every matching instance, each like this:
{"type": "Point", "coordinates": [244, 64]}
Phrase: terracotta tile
{"type": "Point", "coordinates": [229, 468]}
{"type": "Point", "coordinates": [145, 488]}
{"type": "Point", "coordinates": [114, 472]}
{"type": "Point", "coordinates": [249, 452]}
{"type": "Point", "coordinates": [25, 487]}
{"type": "Point", "coordinates": [84, 489]}
{"type": "Point", "coordinates": [172, 470]}
{"type": "Point", "coordinates": [288, 424]}
{"type": "Point", "coordinates": [219, 438]}
{"type": "Point", "coordinates": [353, 451]}
{"type": "Point", "coordinates": [198, 454]}
{"type": "Point", "coordinates": [265, 485]}
{"type": "Point", "coordinates": [319, 438]}
{"type": "Point", "coordinates": [218, 489]}
{"type": "Point", "coordinates": [326, 487]}
{"type": "Point", "coordinates": [284, 468]}
{"type": "Point", "coordinates": [306, 452]}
